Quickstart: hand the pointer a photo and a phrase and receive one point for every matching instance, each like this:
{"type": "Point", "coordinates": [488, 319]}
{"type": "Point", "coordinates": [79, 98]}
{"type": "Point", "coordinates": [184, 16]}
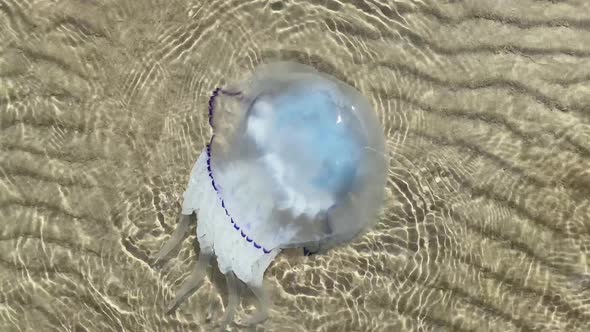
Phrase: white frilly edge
{"type": "Point", "coordinates": [216, 232]}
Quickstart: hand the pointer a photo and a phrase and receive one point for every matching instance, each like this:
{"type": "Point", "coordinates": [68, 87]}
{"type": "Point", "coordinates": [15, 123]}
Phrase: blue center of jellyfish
{"type": "Point", "coordinates": [311, 124]}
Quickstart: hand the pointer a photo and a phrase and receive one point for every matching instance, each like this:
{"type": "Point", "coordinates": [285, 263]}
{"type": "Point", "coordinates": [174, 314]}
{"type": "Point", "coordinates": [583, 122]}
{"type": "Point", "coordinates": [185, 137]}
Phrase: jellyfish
{"type": "Point", "coordinates": [296, 160]}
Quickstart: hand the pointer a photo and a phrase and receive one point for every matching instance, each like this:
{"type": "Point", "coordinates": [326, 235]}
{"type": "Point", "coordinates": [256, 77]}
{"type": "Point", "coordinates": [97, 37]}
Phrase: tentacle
{"type": "Point", "coordinates": [233, 300]}
{"type": "Point", "coordinates": [261, 313]}
{"type": "Point", "coordinates": [175, 239]}
{"type": "Point", "coordinates": [190, 285]}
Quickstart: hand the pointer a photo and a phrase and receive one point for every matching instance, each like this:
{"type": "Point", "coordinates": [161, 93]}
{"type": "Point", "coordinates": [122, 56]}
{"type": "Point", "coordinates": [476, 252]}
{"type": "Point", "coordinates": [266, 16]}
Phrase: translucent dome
{"type": "Point", "coordinates": [298, 157]}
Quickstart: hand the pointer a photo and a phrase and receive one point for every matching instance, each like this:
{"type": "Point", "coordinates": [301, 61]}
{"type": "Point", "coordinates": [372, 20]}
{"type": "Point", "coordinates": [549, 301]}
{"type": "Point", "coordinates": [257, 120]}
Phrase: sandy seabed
{"type": "Point", "coordinates": [486, 108]}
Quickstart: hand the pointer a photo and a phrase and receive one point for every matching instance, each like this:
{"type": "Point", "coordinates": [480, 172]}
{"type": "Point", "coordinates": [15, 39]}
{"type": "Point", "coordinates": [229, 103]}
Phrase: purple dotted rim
{"type": "Point", "coordinates": [256, 245]}
{"type": "Point", "coordinates": [214, 95]}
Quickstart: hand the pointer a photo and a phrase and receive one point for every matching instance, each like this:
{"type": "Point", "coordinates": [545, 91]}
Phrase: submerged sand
{"type": "Point", "coordinates": [486, 108]}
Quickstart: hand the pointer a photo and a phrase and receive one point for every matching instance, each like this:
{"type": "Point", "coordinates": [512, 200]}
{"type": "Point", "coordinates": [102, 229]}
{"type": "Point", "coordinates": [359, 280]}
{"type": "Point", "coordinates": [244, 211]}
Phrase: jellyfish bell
{"type": "Point", "coordinates": [296, 159]}
{"type": "Point", "coordinates": [318, 148]}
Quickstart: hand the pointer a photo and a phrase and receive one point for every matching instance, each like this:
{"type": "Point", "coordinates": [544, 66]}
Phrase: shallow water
{"type": "Point", "coordinates": [486, 107]}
